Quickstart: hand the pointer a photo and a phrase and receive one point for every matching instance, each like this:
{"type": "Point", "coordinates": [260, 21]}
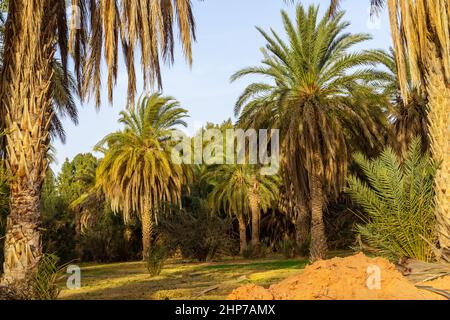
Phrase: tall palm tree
{"type": "Point", "coordinates": [35, 30]}
{"type": "Point", "coordinates": [63, 89]}
{"type": "Point", "coordinates": [310, 99]}
{"type": "Point", "coordinates": [136, 173]}
{"type": "Point", "coordinates": [241, 191]}
{"type": "Point", "coordinates": [420, 32]}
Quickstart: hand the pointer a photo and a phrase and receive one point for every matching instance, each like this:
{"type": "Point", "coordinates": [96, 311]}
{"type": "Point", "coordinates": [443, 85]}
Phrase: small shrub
{"type": "Point", "coordinates": [46, 278]}
{"type": "Point", "coordinates": [156, 259]}
{"type": "Point", "coordinates": [303, 249]}
{"type": "Point", "coordinates": [287, 248]}
{"type": "Point", "coordinates": [264, 250]}
{"type": "Point", "coordinates": [397, 204]}
{"type": "Point", "coordinates": [247, 253]}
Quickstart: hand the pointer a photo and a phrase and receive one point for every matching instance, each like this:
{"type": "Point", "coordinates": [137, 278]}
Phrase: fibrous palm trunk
{"type": "Point", "coordinates": [256, 213]}
{"type": "Point", "coordinates": [319, 248]}
{"type": "Point", "coordinates": [242, 235]}
{"type": "Point", "coordinates": [147, 230]}
{"type": "Point", "coordinates": [26, 103]}
{"type": "Point", "coordinates": [439, 118]}
{"type": "Point", "coordinates": [256, 216]}
{"type": "Point", "coordinates": [302, 224]}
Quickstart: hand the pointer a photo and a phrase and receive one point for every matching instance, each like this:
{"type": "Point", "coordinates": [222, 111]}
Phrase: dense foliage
{"type": "Point", "coordinates": [397, 202]}
{"type": "Point", "coordinates": [199, 235]}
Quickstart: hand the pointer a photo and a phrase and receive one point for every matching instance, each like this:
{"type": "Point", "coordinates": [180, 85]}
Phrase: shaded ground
{"type": "Point", "coordinates": [179, 280]}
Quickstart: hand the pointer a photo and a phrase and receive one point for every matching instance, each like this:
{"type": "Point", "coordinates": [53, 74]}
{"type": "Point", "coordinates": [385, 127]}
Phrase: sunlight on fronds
{"type": "Point", "coordinates": [318, 90]}
{"type": "Point", "coordinates": [136, 171]}
{"type": "Point", "coordinates": [397, 203]}
{"type": "Point", "coordinates": [47, 276]}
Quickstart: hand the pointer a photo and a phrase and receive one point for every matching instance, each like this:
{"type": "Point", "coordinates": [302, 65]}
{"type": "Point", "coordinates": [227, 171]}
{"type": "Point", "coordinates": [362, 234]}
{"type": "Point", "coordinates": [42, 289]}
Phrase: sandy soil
{"type": "Point", "coordinates": [350, 278]}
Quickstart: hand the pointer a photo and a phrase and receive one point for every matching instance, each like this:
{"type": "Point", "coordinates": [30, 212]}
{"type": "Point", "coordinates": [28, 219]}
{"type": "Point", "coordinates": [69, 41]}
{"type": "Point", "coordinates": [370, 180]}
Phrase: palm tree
{"type": "Point", "coordinates": [420, 32]}
{"type": "Point", "coordinates": [310, 99]}
{"type": "Point", "coordinates": [409, 119]}
{"type": "Point", "coordinates": [136, 173]}
{"type": "Point", "coordinates": [35, 30]}
{"type": "Point", "coordinates": [62, 88]}
{"type": "Point", "coordinates": [241, 190]}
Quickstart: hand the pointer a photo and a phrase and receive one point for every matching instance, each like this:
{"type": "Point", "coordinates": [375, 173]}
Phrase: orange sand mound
{"type": "Point", "coordinates": [339, 279]}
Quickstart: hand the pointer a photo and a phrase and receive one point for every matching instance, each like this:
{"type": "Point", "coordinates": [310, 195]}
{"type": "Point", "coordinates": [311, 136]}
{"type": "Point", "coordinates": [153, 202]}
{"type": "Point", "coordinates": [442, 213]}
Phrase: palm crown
{"type": "Point", "coordinates": [136, 171]}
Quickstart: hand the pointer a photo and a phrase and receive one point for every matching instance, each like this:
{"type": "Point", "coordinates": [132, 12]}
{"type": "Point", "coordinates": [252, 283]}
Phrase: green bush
{"type": "Point", "coordinates": [156, 259]}
{"type": "Point", "coordinates": [288, 248]}
{"type": "Point", "coordinates": [199, 236]}
{"type": "Point", "coordinates": [107, 241]}
{"type": "Point", "coordinates": [397, 204]}
{"type": "Point", "coordinates": [247, 253]}
{"type": "Point", "coordinates": [46, 278]}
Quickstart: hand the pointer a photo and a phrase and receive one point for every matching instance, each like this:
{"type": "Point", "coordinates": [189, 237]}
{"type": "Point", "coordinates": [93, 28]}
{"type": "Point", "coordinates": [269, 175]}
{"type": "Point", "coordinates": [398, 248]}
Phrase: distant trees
{"type": "Point", "coordinates": [242, 192]}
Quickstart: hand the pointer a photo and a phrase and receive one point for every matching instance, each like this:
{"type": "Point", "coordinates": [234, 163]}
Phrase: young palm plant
{"type": "Point", "coordinates": [397, 204]}
{"type": "Point", "coordinates": [136, 173]}
{"type": "Point", "coordinates": [241, 191]}
{"type": "Point", "coordinates": [310, 99]}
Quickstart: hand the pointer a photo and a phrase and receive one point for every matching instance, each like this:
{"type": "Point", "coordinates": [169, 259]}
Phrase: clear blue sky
{"type": "Point", "coordinates": [226, 42]}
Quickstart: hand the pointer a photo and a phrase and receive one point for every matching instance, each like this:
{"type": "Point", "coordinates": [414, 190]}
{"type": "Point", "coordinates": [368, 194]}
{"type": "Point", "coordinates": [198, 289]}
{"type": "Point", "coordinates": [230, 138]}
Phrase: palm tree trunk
{"type": "Point", "coordinates": [27, 107]}
{"type": "Point", "coordinates": [302, 224]}
{"type": "Point", "coordinates": [439, 118]}
{"type": "Point", "coordinates": [147, 230]}
{"type": "Point", "coordinates": [318, 236]}
{"type": "Point", "coordinates": [128, 233]}
{"type": "Point", "coordinates": [256, 216]}
{"type": "Point", "coordinates": [242, 235]}
{"type": "Point", "coordinates": [23, 248]}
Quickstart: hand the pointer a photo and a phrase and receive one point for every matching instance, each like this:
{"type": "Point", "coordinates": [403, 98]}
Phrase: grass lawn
{"type": "Point", "coordinates": [180, 280]}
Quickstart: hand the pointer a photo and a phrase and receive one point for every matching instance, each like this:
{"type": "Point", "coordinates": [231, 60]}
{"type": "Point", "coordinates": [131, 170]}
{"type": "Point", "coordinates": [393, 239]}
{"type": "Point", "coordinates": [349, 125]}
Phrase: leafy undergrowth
{"type": "Point", "coordinates": [179, 280]}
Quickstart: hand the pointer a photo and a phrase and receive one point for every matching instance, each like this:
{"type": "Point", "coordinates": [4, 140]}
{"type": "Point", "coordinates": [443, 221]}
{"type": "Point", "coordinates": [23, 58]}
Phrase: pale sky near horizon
{"type": "Point", "coordinates": [226, 42]}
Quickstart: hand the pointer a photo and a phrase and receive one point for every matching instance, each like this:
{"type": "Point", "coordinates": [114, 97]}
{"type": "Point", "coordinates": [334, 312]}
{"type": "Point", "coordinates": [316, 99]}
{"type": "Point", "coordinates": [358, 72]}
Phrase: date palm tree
{"type": "Point", "coordinates": [35, 31]}
{"type": "Point", "coordinates": [310, 99]}
{"type": "Point", "coordinates": [136, 173]}
{"type": "Point", "coordinates": [63, 90]}
{"type": "Point", "coordinates": [243, 192]}
{"type": "Point", "coordinates": [420, 32]}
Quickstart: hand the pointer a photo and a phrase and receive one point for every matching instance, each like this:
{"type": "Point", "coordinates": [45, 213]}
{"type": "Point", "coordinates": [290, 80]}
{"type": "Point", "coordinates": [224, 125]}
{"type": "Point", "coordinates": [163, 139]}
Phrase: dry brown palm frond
{"type": "Point", "coordinates": [145, 25]}
{"type": "Point", "coordinates": [420, 272]}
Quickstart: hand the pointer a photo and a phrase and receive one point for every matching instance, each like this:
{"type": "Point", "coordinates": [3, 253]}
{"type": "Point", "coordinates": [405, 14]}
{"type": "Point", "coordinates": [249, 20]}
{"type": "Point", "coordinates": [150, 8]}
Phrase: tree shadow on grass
{"type": "Point", "coordinates": [178, 281]}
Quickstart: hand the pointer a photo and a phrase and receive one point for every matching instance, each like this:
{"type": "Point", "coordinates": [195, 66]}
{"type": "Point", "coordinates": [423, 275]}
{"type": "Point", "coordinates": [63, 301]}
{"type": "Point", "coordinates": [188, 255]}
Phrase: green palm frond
{"type": "Point", "coordinates": [320, 95]}
{"type": "Point", "coordinates": [137, 167]}
{"type": "Point", "coordinates": [233, 185]}
{"type": "Point", "coordinates": [397, 203]}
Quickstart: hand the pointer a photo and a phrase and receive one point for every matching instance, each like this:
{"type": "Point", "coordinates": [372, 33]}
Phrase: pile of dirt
{"type": "Point", "coordinates": [350, 278]}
